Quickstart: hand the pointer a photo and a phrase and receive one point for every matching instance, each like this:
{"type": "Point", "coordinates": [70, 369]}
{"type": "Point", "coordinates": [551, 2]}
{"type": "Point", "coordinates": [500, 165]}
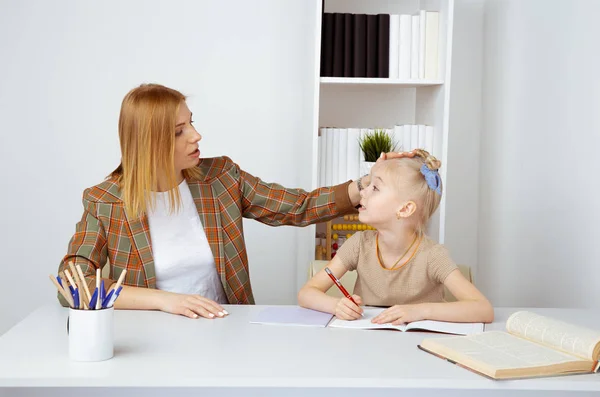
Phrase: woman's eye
{"type": "Point", "coordinates": [179, 132]}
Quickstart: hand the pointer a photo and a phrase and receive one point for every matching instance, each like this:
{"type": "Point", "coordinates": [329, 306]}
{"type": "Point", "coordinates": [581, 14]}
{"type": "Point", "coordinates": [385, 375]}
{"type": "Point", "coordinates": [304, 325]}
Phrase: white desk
{"type": "Point", "coordinates": [162, 354]}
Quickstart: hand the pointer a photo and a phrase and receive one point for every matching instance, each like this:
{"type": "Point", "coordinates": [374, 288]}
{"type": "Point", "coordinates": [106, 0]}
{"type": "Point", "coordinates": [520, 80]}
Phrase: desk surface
{"type": "Point", "coordinates": [157, 349]}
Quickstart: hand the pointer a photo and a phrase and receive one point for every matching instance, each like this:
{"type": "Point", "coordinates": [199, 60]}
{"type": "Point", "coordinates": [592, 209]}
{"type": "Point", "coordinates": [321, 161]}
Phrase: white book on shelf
{"type": "Point", "coordinates": [422, 22]}
{"type": "Point", "coordinates": [342, 156]}
{"type": "Point", "coordinates": [406, 141]}
{"type": "Point", "coordinates": [414, 136]}
{"type": "Point", "coordinates": [363, 133]}
{"type": "Point", "coordinates": [353, 154]}
{"type": "Point", "coordinates": [429, 139]}
{"type": "Point", "coordinates": [398, 138]}
{"type": "Point", "coordinates": [421, 136]}
{"type": "Point", "coordinates": [394, 45]}
{"type": "Point", "coordinates": [335, 160]}
{"type": "Point", "coordinates": [329, 157]}
{"type": "Point", "coordinates": [414, 48]}
{"type": "Point", "coordinates": [404, 47]}
{"type": "Point", "coordinates": [431, 44]}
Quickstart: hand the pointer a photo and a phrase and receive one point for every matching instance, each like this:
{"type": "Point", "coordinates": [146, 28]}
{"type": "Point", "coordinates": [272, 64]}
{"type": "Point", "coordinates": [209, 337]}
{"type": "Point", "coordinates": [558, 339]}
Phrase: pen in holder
{"type": "Point", "coordinates": [91, 334]}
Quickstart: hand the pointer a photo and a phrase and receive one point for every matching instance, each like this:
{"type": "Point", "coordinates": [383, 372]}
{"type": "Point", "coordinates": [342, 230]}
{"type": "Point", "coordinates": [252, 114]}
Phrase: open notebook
{"type": "Point", "coordinates": [425, 325]}
{"type": "Point", "coordinates": [533, 346]}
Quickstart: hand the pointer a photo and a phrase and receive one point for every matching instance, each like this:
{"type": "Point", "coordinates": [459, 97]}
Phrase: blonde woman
{"type": "Point", "coordinates": [174, 220]}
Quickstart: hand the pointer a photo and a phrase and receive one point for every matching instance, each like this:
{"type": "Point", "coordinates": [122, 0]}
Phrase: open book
{"type": "Point", "coordinates": [533, 346]}
{"type": "Point", "coordinates": [425, 325]}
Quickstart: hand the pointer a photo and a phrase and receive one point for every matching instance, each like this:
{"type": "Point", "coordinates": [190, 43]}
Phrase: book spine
{"type": "Point", "coordinates": [405, 43]}
{"type": "Point", "coordinates": [422, 22]}
{"type": "Point", "coordinates": [327, 46]}
{"type": "Point", "coordinates": [348, 45]}
{"type": "Point", "coordinates": [431, 45]}
{"type": "Point", "coordinates": [414, 48]}
{"type": "Point", "coordinates": [360, 45]}
{"type": "Point", "coordinates": [372, 30]}
{"type": "Point", "coordinates": [338, 45]}
{"type": "Point", "coordinates": [383, 45]}
{"type": "Point", "coordinates": [394, 43]}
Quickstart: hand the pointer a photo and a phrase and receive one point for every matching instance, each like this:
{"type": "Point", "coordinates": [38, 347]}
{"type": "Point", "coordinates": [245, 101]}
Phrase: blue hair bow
{"type": "Point", "coordinates": [433, 179]}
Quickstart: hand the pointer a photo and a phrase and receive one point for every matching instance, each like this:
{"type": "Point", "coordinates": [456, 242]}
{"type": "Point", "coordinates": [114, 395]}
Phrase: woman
{"type": "Point", "coordinates": [174, 221]}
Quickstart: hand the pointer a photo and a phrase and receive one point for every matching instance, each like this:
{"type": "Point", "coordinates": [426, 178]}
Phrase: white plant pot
{"type": "Point", "coordinates": [365, 167]}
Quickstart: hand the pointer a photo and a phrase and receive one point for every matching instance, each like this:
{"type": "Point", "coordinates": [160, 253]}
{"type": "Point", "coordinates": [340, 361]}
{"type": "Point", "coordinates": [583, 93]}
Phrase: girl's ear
{"type": "Point", "coordinates": [406, 210]}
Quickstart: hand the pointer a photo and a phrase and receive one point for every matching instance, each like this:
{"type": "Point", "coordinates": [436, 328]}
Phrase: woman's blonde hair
{"type": "Point", "coordinates": [147, 137]}
{"type": "Point", "coordinates": [415, 183]}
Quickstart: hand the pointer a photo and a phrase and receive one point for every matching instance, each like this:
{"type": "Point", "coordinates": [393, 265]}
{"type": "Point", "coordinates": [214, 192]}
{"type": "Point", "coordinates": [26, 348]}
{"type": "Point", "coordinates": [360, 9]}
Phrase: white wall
{"type": "Point", "coordinates": [247, 67]}
{"type": "Point", "coordinates": [539, 189]}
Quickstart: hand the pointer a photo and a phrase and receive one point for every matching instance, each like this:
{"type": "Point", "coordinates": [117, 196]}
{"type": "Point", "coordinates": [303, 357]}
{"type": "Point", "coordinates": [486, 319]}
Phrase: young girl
{"type": "Point", "coordinates": [397, 264]}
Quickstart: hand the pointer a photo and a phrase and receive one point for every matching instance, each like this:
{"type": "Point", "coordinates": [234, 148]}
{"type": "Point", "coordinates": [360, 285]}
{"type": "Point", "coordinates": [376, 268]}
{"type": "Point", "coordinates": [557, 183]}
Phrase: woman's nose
{"type": "Point", "coordinates": [197, 136]}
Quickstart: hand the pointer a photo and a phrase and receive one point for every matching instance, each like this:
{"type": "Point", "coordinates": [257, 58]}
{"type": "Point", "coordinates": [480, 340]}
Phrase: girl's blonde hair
{"type": "Point", "coordinates": [147, 137]}
{"type": "Point", "coordinates": [414, 183]}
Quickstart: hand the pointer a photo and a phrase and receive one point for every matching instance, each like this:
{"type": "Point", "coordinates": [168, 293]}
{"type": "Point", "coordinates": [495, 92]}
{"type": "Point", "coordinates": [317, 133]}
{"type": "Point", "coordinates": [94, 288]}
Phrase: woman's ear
{"type": "Point", "coordinates": [406, 210]}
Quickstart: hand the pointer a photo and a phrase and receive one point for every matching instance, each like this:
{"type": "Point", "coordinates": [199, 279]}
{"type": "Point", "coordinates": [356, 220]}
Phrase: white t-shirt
{"type": "Point", "coordinates": [183, 260]}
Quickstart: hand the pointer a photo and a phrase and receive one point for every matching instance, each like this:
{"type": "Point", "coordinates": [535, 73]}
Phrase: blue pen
{"type": "Point", "coordinates": [107, 299]}
{"type": "Point", "coordinates": [94, 299]}
{"type": "Point", "coordinates": [76, 298]}
{"type": "Point", "coordinates": [102, 292]}
{"type": "Point", "coordinates": [59, 281]}
{"type": "Point", "coordinates": [114, 297]}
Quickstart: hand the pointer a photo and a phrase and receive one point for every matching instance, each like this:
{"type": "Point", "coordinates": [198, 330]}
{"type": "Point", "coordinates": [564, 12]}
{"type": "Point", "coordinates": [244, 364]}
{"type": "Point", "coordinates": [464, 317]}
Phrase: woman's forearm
{"type": "Point", "coordinates": [137, 298]}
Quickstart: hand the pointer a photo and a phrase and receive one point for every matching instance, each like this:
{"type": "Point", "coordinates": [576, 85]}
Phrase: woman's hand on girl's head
{"type": "Point", "coordinates": [400, 314]}
{"type": "Point", "coordinates": [192, 306]}
{"type": "Point", "coordinates": [347, 310]}
{"type": "Point", "coordinates": [395, 155]}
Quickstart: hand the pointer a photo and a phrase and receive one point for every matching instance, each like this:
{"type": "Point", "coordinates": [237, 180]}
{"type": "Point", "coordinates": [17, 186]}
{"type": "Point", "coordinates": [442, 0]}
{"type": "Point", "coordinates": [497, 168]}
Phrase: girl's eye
{"type": "Point", "coordinates": [177, 133]}
{"type": "Point", "coordinates": [375, 187]}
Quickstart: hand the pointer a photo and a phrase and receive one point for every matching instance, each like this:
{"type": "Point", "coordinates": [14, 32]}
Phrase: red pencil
{"type": "Point", "coordinates": [339, 285]}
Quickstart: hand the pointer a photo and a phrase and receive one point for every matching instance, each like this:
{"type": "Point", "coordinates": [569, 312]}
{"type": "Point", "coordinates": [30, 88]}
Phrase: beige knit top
{"type": "Point", "coordinates": [418, 281]}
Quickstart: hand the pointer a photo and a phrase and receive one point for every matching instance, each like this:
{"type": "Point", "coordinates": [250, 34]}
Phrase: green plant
{"type": "Point", "coordinates": [374, 143]}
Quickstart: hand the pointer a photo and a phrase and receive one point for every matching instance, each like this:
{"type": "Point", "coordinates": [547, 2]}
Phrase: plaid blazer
{"type": "Point", "coordinates": [223, 197]}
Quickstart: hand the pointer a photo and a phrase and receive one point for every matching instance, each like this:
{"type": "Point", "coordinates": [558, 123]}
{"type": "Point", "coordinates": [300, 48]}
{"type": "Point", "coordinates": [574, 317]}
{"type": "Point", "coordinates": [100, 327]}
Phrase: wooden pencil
{"type": "Point", "coordinates": [61, 291]}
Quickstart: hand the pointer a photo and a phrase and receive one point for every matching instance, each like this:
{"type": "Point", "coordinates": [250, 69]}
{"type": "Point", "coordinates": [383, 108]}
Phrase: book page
{"type": "Point", "coordinates": [365, 321]}
{"type": "Point", "coordinates": [425, 325]}
{"type": "Point", "coordinates": [446, 327]}
{"type": "Point", "coordinates": [499, 350]}
{"type": "Point", "coordinates": [569, 338]}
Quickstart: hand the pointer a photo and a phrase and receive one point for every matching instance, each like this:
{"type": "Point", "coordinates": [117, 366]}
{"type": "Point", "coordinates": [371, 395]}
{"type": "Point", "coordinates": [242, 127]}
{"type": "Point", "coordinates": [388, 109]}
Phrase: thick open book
{"type": "Point", "coordinates": [425, 325]}
{"type": "Point", "coordinates": [533, 346]}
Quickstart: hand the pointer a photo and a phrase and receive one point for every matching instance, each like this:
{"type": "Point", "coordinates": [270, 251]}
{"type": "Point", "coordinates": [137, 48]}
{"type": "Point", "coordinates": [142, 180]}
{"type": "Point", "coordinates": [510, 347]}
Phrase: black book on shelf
{"type": "Point", "coordinates": [348, 45]}
{"type": "Point", "coordinates": [372, 32]}
{"type": "Point", "coordinates": [327, 45]}
{"type": "Point", "coordinates": [360, 45]}
{"type": "Point", "coordinates": [383, 46]}
{"type": "Point", "coordinates": [338, 44]}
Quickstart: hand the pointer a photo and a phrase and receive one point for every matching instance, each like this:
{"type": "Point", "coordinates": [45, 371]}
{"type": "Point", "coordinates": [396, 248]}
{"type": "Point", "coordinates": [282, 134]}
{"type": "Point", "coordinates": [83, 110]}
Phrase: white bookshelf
{"type": "Point", "coordinates": [382, 103]}
{"type": "Point", "coordinates": [379, 81]}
